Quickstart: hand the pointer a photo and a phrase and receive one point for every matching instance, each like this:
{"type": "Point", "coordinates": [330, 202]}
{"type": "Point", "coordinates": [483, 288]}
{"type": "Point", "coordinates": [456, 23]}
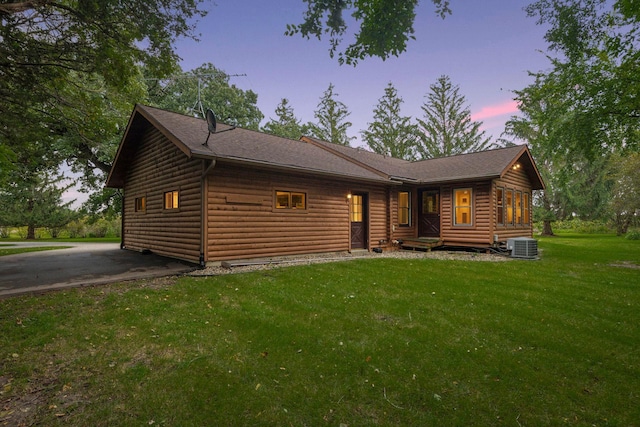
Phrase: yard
{"type": "Point", "coordinates": [367, 342]}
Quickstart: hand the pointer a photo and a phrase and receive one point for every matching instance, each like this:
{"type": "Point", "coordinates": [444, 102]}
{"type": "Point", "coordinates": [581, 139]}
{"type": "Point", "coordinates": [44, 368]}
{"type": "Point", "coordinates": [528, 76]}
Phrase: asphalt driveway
{"type": "Point", "coordinates": [83, 264]}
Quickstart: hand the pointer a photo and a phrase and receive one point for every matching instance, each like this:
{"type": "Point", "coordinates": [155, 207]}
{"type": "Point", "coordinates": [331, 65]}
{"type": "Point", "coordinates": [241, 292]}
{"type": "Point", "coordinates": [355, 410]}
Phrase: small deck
{"type": "Point", "coordinates": [423, 243]}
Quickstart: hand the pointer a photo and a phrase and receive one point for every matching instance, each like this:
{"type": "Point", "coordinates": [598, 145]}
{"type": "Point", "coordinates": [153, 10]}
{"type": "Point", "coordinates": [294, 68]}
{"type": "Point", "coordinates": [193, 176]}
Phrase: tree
{"type": "Point", "coordinates": [446, 128]}
{"type": "Point", "coordinates": [385, 26]}
{"type": "Point", "coordinates": [35, 201]}
{"type": "Point", "coordinates": [391, 134]}
{"type": "Point", "coordinates": [594, 75]}
{"type": "Point", "coordinates": [587, 101]}
{"type": "Point", "coordinates": [625, 200]}
{"type": "Point", "coordinates": [331, 116]}
{"type": "Point", "coordinates": [56, 54]}
{"type": "Point", "coordinates": [207, 87]}
{"type": "Point", "coordinates": [286, 124]}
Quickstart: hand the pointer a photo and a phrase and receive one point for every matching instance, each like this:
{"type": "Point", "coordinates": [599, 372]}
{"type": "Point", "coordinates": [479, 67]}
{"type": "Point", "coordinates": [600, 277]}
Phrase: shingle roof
{"type": "Point", "coordinates": [234, 145]}
{"type": "Point", "coordinates": [311, 155]}
{"type": "Point", "coordinates": [480, 165]}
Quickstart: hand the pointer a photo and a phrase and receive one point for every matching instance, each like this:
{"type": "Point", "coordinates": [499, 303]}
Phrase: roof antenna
{"type": "Point", "coordinates": [211, 124]}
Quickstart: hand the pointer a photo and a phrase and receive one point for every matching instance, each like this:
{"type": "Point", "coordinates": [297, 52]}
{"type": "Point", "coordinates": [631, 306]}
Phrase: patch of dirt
{"type": "Point", "coordinates": [626, 264]}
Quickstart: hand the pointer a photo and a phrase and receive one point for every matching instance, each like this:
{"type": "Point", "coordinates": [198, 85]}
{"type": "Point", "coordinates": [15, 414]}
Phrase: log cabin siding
{"type": "Point", "coordinates": [242, 221]}
{"type": "Point", "coordinates": [398, 231]}
{"type": "Point", "coordinates": [159, 166]}
{"type": "Point", "coordinates": [479, 232]}
{"type": "Point", "coordinates": [516, 180]}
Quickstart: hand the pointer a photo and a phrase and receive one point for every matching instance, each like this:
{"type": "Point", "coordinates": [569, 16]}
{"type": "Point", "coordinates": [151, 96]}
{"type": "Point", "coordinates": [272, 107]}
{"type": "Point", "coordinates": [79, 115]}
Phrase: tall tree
{"type": "Point", "coordinates": [331, 117]}
{"type": "Point", "coordinates": [207, 87]}
{"type": "Point", "coordinates": [390, 133]}
{"type": "Point", "coordinates": [385, 26]}
{"type": "Point", "coordinates": [33, 198]}
{"type": "Point", "coordinates": [625, 201]}
{"type": "Point", "coordinates": [54, 53]}
{"type": "Point", "coordinates": [589, 98]}
{"type": "Point", "coordinates": [286, 124]}
{"type": "Point", "coordinates": [594, 73]}
{"type": "Point", "coordinates": [446, 128]}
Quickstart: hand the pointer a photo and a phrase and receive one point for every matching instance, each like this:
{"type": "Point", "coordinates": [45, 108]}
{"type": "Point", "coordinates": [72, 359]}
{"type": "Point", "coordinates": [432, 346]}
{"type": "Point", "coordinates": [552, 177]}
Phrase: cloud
{"type": "Point", "coordinates": [490, 111]}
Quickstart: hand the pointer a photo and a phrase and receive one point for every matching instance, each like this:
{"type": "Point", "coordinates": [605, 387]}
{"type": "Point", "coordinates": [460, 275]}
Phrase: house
{"type": "Point", "coordinates": [238, 194]}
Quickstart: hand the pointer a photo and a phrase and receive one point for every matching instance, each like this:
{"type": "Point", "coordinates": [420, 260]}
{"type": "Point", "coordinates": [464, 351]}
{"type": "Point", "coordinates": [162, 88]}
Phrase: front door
{"type": "Point", "coordinates": [429, 215]}
{"type": "Point", "coordinates": [358, 219]}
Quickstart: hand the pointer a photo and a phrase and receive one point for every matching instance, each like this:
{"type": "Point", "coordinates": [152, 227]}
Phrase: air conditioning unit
{"type": "Point", "coordinates": [523, 247]}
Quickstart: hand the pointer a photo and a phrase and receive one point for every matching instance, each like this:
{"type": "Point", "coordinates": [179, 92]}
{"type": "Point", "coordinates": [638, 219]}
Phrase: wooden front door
{"type": "Point", "coordinates": [358, 220]}
{"type": "Point", "coordinates": [429, 215]}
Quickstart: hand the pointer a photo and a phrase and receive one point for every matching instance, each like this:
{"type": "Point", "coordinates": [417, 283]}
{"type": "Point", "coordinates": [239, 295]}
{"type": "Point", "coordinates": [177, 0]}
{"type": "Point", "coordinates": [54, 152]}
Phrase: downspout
{"type": "Point", "coordinates": [204, 189]}
{"type": "Point", "coordinates": [121, 218]}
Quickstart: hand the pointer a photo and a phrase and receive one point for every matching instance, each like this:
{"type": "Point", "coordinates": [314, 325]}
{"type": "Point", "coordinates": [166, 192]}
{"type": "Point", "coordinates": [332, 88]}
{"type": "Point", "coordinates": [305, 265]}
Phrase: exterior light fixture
{"type": "Point", "coordinates": [348, 196]}
{"type": "Point", "coordinates": [516, 166]}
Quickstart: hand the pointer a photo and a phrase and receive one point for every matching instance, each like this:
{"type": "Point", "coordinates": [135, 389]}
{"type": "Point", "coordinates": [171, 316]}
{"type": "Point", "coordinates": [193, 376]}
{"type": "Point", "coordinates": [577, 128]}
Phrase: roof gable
{"type": "Point", "coordinates": [310, 155]}
{"type": "Point", "coordinates": [230, 144]}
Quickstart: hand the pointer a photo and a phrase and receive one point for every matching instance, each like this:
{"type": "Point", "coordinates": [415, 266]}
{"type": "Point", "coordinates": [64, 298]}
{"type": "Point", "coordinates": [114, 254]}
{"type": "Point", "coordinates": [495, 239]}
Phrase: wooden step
{"type": "Point", "coordinates": [420, 243]}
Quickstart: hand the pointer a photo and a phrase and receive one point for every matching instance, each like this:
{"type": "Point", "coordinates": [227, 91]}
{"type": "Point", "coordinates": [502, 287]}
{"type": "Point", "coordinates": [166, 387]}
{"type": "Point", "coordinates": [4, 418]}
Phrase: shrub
{"type": "Point", "coordinates": [633, 235]}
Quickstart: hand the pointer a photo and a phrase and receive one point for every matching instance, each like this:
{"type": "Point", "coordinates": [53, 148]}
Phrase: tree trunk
{"type": "Point", "coordinates": [31, 232]}
{"type": "Point", "coordinates": [546, 228]}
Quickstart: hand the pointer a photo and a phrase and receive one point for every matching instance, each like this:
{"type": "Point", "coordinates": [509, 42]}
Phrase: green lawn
{"type": "Point", "coordinates": [367, 342]}
{"type": "Point", "coordinates": [7, 249]}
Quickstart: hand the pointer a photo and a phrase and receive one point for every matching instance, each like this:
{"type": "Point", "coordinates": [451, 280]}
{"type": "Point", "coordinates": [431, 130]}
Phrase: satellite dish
{"type": "Point", "coordinates": [211, 123]}
{"type": "Point", "coordinates": [211, 120]}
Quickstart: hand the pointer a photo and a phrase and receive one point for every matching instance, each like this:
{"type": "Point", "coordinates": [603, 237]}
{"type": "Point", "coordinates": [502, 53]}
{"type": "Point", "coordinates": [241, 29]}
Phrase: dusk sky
{"type": "Point", "coordinates": [486, 48]}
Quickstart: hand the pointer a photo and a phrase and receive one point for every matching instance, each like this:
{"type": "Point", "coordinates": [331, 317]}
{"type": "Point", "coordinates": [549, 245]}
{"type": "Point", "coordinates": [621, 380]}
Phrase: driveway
{"type": "Point", "coordinates": [83, 264]}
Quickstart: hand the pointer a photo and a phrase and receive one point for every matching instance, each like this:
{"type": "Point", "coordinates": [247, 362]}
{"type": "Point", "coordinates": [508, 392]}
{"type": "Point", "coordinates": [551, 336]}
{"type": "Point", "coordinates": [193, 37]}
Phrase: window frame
{"type": "Point", "coordinates": [290, 195]}
{"type": "Point", "coordinates": [518, 208]}
{"type": "Point", "coordinates": [468, 206]}
{"type": "Point", "coordinates": [508, 203]}
{"type": "Point", "coordinates": [356, 215]}
{"type": "Point", "coordinates": [500, 206]}
{"type": "Point", "coordinates": [526, 214]}
{"type": "Point", "coordinates": [404, 209]}
{"type": "Point", "coordinates": [140, 204]}
{"type": "Point", "coordinates": [174, 198]}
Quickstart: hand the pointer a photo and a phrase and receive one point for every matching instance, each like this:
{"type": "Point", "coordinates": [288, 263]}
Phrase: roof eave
{"type": "Point", "coordinates": [293, 168]}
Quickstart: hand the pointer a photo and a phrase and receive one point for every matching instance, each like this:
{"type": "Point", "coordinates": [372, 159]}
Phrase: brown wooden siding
{"type": "Point", "coordinates": [243, 223]}
{"type": "Point", "coordinates": [516, 180]}
{"type": "Point", "coordinates": [479, 233]}
{"type": "Point", "coordinates": [397, 231]}
{"type": "Point", "coordinates": [158, 167]}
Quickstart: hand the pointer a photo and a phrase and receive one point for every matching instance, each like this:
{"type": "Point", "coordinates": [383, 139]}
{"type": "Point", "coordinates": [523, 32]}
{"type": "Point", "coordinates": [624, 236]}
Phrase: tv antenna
{"type": "Point", "coordinates": [197, 106]}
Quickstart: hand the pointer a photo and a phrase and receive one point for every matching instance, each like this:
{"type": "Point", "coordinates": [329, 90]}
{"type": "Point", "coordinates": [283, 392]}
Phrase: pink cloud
{"type": "Point", "coordinates": [508, 107]}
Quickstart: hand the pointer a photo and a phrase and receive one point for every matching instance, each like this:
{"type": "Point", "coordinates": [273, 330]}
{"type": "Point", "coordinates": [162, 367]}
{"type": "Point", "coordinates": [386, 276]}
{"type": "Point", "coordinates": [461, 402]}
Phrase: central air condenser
{"type": "Point", "coordinates": [523, 247]}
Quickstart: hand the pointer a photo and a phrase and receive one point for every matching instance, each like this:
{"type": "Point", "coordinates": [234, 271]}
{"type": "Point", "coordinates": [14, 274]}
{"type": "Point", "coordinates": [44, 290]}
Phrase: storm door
{"type": "Point", "coordinates": [429, 214]}
{"type": "Point", "coordinates": [358, 220]}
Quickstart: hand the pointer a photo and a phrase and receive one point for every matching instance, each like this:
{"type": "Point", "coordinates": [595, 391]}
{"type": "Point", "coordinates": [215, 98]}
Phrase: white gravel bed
{"type": "Point", "coordinates": [278, 262]}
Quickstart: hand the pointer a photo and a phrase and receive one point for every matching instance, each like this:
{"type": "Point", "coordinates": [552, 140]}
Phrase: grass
{"type": "Point", "coordinates": [368, 342]}
{"type": "Point", "coordinates": [6, 249]}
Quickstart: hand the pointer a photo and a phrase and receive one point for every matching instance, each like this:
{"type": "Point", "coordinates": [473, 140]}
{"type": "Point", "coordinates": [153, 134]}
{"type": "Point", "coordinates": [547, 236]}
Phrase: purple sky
{"type": "Point", "coordinates": [485, 47]}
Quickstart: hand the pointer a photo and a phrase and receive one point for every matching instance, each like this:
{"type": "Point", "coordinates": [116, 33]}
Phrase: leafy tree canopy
{"type": "Point", "coordinates": [446, 128]}
{"type": "Point", "coordinates": [67, 67]}
{"type": "Point", "coordinates": [385, 26]}
{"type": "Point", "coordinates": [207, 87]}
{"type": "Point", "coordinates": [594, 82]}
